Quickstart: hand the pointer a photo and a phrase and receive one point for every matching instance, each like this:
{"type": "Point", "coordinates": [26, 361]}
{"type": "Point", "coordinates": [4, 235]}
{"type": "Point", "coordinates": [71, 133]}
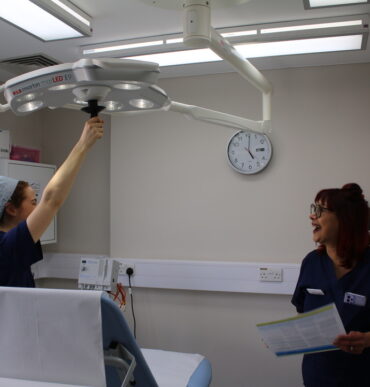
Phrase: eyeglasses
{"type": "Point", "coordinates": [317, 210]}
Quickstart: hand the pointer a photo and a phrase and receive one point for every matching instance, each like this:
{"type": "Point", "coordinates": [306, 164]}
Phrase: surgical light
{"type": "Point", "coordinates": [84, 81]}
{"type": "Point", "coordinates": [141, 103]}
{"type": "Point", "coordinates": [112, 106]}
{"type": "Point", "coordinates": [79, 102]}
{"type": "Point", "coordinates": [28, 97]}
{"type": "Point", "coordinates": [62, 87]}
{"type": "Point", "coordinates": [30, 106]}
{"type": "Point", "coordinates": [47, 20]}
{"type": "Point", "coordinates": [127, 86]}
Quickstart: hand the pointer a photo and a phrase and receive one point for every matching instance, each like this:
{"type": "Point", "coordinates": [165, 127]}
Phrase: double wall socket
{"type": "Point", "coordinates": [271, 274]}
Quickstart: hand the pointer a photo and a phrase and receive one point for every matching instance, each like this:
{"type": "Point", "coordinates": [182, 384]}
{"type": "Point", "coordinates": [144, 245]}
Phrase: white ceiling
{"type": "Point", "coordinates": [128, 19]}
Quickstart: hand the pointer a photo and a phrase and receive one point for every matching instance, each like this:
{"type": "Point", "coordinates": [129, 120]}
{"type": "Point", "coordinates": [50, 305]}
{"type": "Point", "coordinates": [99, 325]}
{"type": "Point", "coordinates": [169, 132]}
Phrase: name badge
{"type": "Point", "coordinates": [316, 292]}
{"type": "Point", "coordinates": [354, 299]}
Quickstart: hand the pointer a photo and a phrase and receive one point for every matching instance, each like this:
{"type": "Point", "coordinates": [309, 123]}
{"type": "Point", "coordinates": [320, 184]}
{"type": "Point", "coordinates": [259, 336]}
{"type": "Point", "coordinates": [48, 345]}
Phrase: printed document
{"type": "Point", "coordinates": [309, 332]}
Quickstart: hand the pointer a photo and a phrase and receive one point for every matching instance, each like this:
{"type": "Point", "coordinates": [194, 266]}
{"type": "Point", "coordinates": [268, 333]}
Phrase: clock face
{"type": "Point", "coordinates": [249, 152]}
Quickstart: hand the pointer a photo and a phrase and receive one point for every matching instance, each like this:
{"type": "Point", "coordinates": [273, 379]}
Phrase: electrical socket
{"type": "Point", "coordinates": [124, 266]}
{"type": "Point", "coordinates": [271, 274]}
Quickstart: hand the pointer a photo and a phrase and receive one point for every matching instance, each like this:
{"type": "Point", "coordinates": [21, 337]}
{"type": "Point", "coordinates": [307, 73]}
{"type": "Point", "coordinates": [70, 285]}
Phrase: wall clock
{"type": "Point", "coordinates": [249, 152]}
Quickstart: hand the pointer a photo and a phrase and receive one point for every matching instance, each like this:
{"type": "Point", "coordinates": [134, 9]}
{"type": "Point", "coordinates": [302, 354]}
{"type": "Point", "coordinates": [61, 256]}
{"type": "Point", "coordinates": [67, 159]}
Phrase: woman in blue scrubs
{"type": "Point", "coordinates": [339, 271]}
{"type": "Point", "coordinates": [22, 222]}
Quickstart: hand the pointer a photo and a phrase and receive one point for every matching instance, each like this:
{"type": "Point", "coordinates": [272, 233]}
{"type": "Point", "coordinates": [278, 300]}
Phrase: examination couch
{"type": "Point", "coordinates": [74, 338]}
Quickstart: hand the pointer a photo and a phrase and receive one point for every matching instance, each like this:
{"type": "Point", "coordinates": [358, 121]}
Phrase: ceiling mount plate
{"type": "Point", "coordinates": [179, 4]}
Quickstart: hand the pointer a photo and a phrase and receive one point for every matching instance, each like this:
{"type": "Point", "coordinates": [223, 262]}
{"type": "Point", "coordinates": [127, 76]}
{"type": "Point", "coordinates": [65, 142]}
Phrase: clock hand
{"type": "Point", "coordinates": [249, 152]}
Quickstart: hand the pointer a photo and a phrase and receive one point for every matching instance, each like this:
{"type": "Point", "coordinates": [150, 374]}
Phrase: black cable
{"type": "Point", "coordinates": [132, 299]}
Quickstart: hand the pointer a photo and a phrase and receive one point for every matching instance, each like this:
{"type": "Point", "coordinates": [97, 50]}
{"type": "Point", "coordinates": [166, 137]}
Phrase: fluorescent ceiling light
{"type": "Point", "coordinates": [46, 20]}
{"type": "Point", "coordinates": [258, 50]}
{"type": "Point", "coordinates": [122, 47]}
{"type": "Point", "coordinates": [175, 40]}
{"type": "Point", "coordinates": [72, 12]}
{"type": "Point", "coordinates": [174, 58]}
{"type": "Point", "coordinates": [130, 46]}
{"type": "Point", "coordinates": [301, 46]}
{"type": "Point", "coordinates": [304, 27]}
{"type": "Point", "coordinates": [330, 3]}
{"type": "Point", "coordinates": [238, 33]}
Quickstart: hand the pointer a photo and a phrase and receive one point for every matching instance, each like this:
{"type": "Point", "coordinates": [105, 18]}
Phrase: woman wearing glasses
{"type": "Point", "coordinates": [339, 271]}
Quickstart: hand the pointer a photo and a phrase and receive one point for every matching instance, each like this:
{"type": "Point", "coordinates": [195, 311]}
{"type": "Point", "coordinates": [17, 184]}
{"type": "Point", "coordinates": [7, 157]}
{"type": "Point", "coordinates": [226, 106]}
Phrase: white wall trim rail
{"type": "Point", "coordinates": [242, 277]}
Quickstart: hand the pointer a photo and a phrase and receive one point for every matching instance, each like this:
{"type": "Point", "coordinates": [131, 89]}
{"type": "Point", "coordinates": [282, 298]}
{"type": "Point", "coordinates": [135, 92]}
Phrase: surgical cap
{"type": "Point", "coordinates": [7, 187]}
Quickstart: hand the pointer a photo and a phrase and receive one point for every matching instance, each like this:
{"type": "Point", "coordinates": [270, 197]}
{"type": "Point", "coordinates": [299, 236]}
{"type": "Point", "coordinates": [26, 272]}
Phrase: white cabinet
{"type": "Point", "coordinates": [37, 175]}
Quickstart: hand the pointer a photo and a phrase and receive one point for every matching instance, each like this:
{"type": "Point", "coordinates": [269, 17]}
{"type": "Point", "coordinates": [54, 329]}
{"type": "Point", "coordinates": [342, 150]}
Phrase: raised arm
{"type": "Point", "coordinates": [58, 188]}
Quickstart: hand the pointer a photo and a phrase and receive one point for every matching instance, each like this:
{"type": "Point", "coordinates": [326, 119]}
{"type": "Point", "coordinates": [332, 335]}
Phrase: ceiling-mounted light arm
{"type": "Point", "coordinates": [3, 108]}
{"type": "Point", "coordinates": [226, 51]}
{"type": "Point", "coordinates": [219, 118]}
{"type": "Point", "coordinates": [199, 33]}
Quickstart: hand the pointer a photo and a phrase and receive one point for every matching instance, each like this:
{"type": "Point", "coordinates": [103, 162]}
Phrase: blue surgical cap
{"type": "Point", "coordinates": [7, 187]}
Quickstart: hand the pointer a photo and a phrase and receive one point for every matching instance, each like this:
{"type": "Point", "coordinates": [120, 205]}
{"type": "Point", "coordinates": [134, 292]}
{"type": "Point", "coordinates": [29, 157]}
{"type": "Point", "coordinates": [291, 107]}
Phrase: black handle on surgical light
{"type": "Point", "coordinates": [93, 108]}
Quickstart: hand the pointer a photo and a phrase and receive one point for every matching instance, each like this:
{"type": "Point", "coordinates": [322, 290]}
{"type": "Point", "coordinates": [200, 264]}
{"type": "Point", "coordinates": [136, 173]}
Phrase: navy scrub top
{"type": "Point", "coordinates": [335, 368]}
{"type": "Point", "coordinates": [18, 252]}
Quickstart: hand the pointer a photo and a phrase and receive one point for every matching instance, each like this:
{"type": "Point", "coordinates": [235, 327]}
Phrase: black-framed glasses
{"type": "Point", "coordinates": [317, 209]}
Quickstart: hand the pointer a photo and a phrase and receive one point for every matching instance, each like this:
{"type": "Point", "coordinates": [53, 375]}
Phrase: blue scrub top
{"type": "Point", "coordinates": [335, 368]}
{"type": "Point", "coordinates": [18, 252]}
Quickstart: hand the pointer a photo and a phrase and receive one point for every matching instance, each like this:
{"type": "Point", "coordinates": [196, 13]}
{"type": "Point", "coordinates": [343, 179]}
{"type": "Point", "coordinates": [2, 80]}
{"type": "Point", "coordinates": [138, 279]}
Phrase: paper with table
{"type": "Point", "coordinates": [309, 332]}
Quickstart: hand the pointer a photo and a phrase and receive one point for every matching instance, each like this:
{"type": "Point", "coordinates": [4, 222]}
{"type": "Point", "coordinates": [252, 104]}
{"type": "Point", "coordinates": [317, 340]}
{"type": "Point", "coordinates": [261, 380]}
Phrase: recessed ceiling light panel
{"type": "Point", "coordinates": [46, 19]}
{"type": "Point", "coordinates": [309, 4]}
{"type": "Point", "coordinates": [179, 4]}
{"type": "Point", "coordinates": [259, 50]}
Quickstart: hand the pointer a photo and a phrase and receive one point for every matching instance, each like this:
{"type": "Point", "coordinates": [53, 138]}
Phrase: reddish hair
{"type": "Point", "coordinates": [352, 211]}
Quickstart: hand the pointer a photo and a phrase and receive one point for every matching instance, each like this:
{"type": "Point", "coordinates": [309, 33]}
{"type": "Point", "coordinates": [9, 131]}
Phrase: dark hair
{"type": "Point", "coordinates": [18, 194]}
{"type": "Point", "coordinates": [352, 211]}
{"type": "Point", "coordinates": [17, 197]}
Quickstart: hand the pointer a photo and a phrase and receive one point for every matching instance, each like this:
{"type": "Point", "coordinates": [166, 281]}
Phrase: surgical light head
{"type": "Point", "coordinates": [95, 84]}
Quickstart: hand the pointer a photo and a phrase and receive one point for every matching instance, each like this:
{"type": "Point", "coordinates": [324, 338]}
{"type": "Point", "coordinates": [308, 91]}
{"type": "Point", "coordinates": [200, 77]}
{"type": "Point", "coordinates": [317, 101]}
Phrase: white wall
{"type": "Point", "coordinates": [173, 195]}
